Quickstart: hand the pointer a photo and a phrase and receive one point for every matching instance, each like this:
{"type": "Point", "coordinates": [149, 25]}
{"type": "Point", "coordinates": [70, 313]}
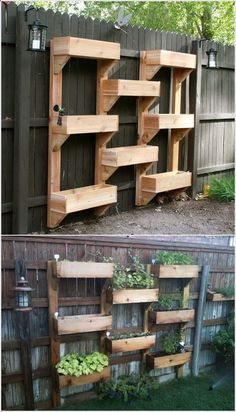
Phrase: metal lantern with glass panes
{"type": "Point", "coordinates": [212, 59]}
{"type": "Point", "coordinates": [37, 36]}
{"type": "Point", "coordinates": [23, 295]}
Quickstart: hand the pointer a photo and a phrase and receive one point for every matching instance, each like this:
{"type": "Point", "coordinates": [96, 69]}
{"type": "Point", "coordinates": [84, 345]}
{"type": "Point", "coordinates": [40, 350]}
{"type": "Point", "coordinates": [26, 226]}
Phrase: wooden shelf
{"type": "Point", "coordinates": [129, 155]}
{"type": "Point", "coordinates": [121, 296]}
{"type": "Point", "coordinates": [218, 297]}
{"type": "Point", "coordinates": [173, 316]}
{"type": "Point", "coordinates": [176, 271]}
{"type": "Point", "coordinates": [66, 325]}
{"type": "Point", "coordinates": [86, 124]}
{"type": "Point", "coordinates": [69, 381]}
{"type": "Point", "coordinates": [156, 362]}
{"type": "Point", "coordinates": [111, 90]}
{"type": "Point", "coordinates": [66, 47]}
{"type": "Point", "coordinates": [153, 123]}
{"type": "Point", "coordinates": [67, 269]}
{"type": "Point", "coordinates": [163, 182]}
{"type": "Point", "coordinates": [73, 200]}
{"type": "Point", "coordinates": [153, 60]}
{"type": "Point", "coordinates": [130, 344]}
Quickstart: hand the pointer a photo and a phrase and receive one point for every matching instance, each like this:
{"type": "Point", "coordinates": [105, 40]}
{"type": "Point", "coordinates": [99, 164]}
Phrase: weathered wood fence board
{"type": "Point", "coordinates": [81, 296]}
{"type": "Point", "coordinates": [25, 113]}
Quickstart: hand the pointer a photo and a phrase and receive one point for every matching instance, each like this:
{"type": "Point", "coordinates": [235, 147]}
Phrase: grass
{"type": "Point", "coordinates": [183, 394]}
{"type": "Point", "coordinates": [222, 189]}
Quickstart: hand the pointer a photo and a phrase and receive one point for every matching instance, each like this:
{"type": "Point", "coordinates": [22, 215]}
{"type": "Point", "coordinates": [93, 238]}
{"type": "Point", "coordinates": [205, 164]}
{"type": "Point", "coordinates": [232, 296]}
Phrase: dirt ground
{"type": "Point", "coordinates": [178, 217]}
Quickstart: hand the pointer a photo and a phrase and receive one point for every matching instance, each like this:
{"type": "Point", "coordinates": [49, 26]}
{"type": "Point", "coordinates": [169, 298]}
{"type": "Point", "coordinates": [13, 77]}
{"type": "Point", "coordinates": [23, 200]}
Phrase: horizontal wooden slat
{"type": "Point", "coordinates": [178, 271]}
{"type": "Point", "coordinates": [73, 200]}
{"type": "Point", "coordinates": [86, 124]}
{"type": "Point", "coordinates": [216, 116]}
{"type": "Point", "coordinates": [168, 121]}
{"type": "Point", "coordinates": [157, 362]}
{"type": "Point", "coordinates": [130, 88]}
{"type": "Point", "coordinates": [120, 296]}
{"type": "Point", "coordinates": [170, 59]}
{"type": "Point", "coordinates": [219, 297]}
{"type": "Point", "coordinates": [69, 381]}
{"type": "Point", "coordinates": [67, 269]}
{"type": "Point", "coordinates": [162, 182]}
{"type": "Point", "coordinates": [87, 48]}
{"type": "Point", "coordinates": [216, 168]}
{"type": "Point", "coordinates": [130, 344]}
{"type": "Point", "coordinates": [173, 316]}
{"type": "Point", "coordinates": [82, 323]}
{"type": "Point", "coordinates": [129, 155]}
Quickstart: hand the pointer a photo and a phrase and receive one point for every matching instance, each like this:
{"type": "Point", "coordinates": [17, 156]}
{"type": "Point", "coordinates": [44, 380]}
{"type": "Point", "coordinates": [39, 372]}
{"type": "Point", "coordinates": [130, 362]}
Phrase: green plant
{"type": "Point", "coordinates": [222, 189]}
{"type": "Point", "coordinates": [130, 335]}
{"type": "Point", "coordinates": [227, 291]}
{"type": "Point", "coordinates": [129, 387]}
{"type": "Point", "coordinates": [223, 342]}
{"type": "Point", "coordinates": [75, 364]}
{"type": "Point", "coordinates": [173, 258]}
{"type": "Point", "coordinates": [170, 342]}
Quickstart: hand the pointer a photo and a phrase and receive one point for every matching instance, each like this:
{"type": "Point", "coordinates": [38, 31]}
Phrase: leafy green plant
{"type": "Point", "coordinates": [222, 189]}
{"type": "Point", "coordinates": [170, 342]}
{"type": "Point", "coordinates": [75, 364]}
{"type": "Point", "coordinates": [173, 258]}
{"type": "Point", "coordinates": [223, 342]}
{"type": "Point", "coordinates": [127, 278]}
{"type": "Point", "coordinates": [226, 291]}
{"type": "Point", "coordinates": [129, 387]}
{"type": "Point", "coordinates": [130, 335]}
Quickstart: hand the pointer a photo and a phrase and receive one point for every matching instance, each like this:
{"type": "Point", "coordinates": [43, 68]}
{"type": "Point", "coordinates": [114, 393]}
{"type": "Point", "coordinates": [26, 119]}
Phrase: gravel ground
{"type": "Point", "coordinates": [178, 217]}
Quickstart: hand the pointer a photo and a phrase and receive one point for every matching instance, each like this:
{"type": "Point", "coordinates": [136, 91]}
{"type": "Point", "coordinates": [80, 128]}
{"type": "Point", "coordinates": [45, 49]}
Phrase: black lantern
{"type": "Point", "coordinates": [212, 59]}
{"type": "Point", "coordinates": [23, 295]}
{"type": "Point", "coordinates": [37, 33]}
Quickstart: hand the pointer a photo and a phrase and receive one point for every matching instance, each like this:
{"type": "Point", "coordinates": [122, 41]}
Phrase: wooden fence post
{"type": "Point", "coordinates": [23, 324]}
{"type": "Point", "coordinates": [22, 127]}
{"type": "Point", "coordinates": [199, 319]}
{"type": "Point", "coordinates": [195, 102]}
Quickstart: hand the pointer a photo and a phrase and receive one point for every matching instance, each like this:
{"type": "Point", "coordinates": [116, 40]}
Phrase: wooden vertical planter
{"type": "Point", "coordinates": [218, 297]}
{"type": "Point", "coordinates": [176, 271]}
{"type": "Point", "coordinates": [130, 344]}
{"type": "Point", "coordinates": [120, 296]}
{"type": "Point", "coordinates": [157, 362]}
{"type": "Point", "coordinates": [171, 316]}
{"type": "Point", "coordinates": [69, 381]}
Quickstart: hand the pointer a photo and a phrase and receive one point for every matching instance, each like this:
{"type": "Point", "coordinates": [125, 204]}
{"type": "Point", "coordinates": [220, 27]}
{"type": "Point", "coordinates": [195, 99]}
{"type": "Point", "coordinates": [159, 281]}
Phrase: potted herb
{"type": "Point", "coordinates": [223, 344]}
{"type": "Point", "coordinates": [132, 285]}
{"type": "Point", "coordinates": [76, 369]}
{"type": "Point", "coordinates": [173, 353]}
{"type": "Point", "coordinates": [174, 265]}
{"type": "Point", "coordinates": [129, 342]}
{"type": "Point", "coordinates": [169, 309]}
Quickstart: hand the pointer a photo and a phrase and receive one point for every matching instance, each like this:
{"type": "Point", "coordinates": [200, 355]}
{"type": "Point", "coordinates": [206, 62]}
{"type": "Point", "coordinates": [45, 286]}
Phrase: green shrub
{"type": "Point", "coordinates": [222, 189]}
{"type": "Point", "coordinates": [128, 387]}
{"type": "Point", "coordinates": [173, 258]}
{"type": "Point", "coordinates": [75, 364]}
{"type": "Point", "coordinates": [227, 291]}
{"type": "Point", "coordinates": [136, 278]}
{"type": "Point", "coordinates": [223, 342]}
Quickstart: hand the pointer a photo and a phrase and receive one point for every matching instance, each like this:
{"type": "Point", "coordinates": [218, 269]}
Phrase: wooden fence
{"type": "Point", "coordinates": [25, 86]}
{"type": "Point", "coordinates": [83, 296]}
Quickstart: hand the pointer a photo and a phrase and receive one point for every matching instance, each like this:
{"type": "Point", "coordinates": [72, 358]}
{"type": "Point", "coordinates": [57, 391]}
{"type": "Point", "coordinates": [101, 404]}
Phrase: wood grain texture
{"type": "Point", "coordinates": [130, 344]}
{"type": "Point", "coordinates": [162, 182]}
{"type": "Point", "coordinates": [120, 296]}
{"type": "Point", "coordinates": [179, 271]}
{"type": "Point", "coordinates": [157, 362]}
{"type": "Point", "coordinates": [82, 323]}
{"type": "Point", "coordinates": [67, 269]}
{"type": "Point", "coordinates": [70, 381]}
{"type": "Point", "coordinates": [173, 316]}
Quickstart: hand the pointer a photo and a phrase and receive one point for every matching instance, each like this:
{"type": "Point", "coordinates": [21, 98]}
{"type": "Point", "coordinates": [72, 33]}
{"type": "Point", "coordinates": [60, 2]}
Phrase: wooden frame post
{"type": "Point", "coordinates": [195, 102]}
{"type": "Point", "coordinates": [22, 127]}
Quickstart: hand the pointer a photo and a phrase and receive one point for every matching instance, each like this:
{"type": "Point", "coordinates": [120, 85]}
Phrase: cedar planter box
{"type": "Point", "coordinates": [155, 361]}
{"type": "Point", "coordinates": [68, 269]}
{"type": "Point", "coordinates": [130, 344]}
{"type": "Point", "coordinates": [66, 381]}
{"type": "Point", "coordinates": [65, 325]}
{"type": "Point", "coordinates": [120, 296]}
{"type": "Point", "coordinates": [176, 271]}
{"type": "Point", "coordinates": [218, 297]}
{"type": "Point", "coordinates": [171, 316]}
